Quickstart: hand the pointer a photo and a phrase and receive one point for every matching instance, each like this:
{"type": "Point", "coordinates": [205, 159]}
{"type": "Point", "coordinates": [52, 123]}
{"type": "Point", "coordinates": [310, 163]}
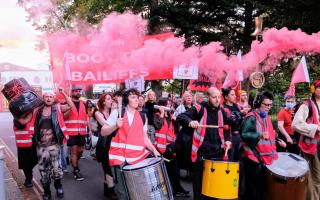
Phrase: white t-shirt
{"type": "Point", "coordinates": [113, 117]}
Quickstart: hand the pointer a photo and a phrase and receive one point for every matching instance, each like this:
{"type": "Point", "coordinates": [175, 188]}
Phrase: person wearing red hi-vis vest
{"type": "Point", "coordinates": [131, 143]}
{"type": "Point", "coordinates": [259, 148]}
{"type": "Point", "coordinates": [76, 123]}
{"type": "Point", "coordinates": [27, 152]}
{"type": "Point", "coordinates": [164, 141]}
{"type": "Point", "coordinates": [306, 122]}
{"type": "Point", "coordinates": [207, 143]}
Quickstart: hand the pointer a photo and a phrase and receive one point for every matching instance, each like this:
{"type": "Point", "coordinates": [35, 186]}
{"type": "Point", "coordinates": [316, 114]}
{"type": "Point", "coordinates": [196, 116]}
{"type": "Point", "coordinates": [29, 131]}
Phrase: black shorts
{"type": "Point", "coordinates": [79, 140]}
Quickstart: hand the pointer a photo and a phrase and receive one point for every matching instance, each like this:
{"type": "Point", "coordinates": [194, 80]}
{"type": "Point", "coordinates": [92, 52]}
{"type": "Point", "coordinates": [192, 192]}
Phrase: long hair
{"type": "Point", "coordinates": [100, 103]}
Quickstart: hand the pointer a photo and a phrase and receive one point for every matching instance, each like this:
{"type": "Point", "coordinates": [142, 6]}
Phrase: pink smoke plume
{"type": "Point", "coordinates": [120, 40]}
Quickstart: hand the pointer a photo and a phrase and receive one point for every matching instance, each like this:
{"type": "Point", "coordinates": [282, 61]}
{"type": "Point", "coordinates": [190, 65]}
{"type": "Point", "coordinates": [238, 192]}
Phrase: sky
{"type": "Point", "coordinates": [18, 38]}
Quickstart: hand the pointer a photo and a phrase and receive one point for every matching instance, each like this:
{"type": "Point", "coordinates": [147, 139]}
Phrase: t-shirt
{"type": "Point", "coordinates": [77, 104]}
{"type": "Point", "coordinates": [286, 116]}
{"type": "Point", "coordinates": [113, 117]}
{"type": "Point", "coordinates": [46, 132]}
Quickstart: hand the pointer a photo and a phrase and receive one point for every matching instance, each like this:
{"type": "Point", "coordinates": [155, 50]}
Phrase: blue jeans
{"type": "Point", "coordinates": [63, 154]}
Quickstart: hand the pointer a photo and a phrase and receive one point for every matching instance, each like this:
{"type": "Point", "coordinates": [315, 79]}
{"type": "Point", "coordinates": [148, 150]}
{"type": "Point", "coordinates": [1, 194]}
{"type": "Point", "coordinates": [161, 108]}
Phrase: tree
{"type": "Point", "coordinates": [200, 22]}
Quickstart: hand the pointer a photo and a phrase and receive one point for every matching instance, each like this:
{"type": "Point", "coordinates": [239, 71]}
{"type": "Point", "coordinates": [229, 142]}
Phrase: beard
{"type": "Point", "coordinates": [77, 96]}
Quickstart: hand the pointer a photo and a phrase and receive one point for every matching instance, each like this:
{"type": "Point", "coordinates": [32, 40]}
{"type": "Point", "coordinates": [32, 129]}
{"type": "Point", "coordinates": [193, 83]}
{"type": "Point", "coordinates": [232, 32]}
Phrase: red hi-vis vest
{"type": "Point", "coordinates": [77, 121]}
{"type": "Point", "coordinates": [308, 144]}
{"type": "Point", "coordinates": [198, 134]}
{"type": "Point", "coordinates": [23, 136]}
{"type": "Point", "coordinates": [128, 145]}
{"type": "Point", "coordinates": [265, 148]}
{"type": "Point", "coordinates": [164, 136]}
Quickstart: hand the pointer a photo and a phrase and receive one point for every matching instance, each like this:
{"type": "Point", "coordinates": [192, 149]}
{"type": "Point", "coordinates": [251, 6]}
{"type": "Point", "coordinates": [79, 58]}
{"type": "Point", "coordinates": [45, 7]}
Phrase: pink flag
{"type": "Point", "coordinates": [301, 74]}
{"type": "Point", "coordinates": [291, 91]}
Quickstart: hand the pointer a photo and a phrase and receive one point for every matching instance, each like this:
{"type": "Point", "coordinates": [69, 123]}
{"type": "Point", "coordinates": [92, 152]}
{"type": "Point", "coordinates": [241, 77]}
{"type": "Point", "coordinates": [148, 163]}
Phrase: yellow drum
{"type": "Point", "coordinates": [220, 179]}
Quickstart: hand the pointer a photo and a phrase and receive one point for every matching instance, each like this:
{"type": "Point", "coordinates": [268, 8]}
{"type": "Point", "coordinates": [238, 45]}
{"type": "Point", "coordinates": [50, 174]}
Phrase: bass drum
{"type": "Point", "coordinates": [147, 180]}
{"type": "Point", "coordinates": [287, 177]}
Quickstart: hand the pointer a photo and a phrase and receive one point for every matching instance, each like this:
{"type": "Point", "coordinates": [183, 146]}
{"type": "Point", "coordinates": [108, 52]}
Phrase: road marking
{"type": "Point", "coordinates": [37, 189]}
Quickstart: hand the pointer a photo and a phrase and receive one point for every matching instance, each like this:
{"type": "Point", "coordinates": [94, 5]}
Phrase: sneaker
{"type": "Point", "coordinates": [78, 176]}
{"type": "Point", "coordinates": [182, 193]}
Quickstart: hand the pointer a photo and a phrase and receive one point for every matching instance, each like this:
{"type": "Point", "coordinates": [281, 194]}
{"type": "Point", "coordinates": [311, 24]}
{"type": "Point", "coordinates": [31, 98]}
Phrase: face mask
{"type": "Point", "coordinates": [263, 114]}
{"type": "Point", "coordinates": [290, 105]}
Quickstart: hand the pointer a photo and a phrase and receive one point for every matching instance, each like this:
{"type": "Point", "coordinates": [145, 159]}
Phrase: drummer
{"type": "Point", "coordinates": [131, 143]}
{"type": "Point", "coordinates": [208, 143]}
{"type": "Point", "coordinates": [258, 137]}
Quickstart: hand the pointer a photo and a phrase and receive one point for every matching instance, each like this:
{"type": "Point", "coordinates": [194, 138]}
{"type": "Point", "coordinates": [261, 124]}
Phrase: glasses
{"type": "Point", "coordinates": [267, 104]}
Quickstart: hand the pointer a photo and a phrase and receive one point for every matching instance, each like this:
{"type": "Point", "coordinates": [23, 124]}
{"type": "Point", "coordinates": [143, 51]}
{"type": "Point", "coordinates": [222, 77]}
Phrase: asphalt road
{"type": "Point", "coordinates": [91, 188]}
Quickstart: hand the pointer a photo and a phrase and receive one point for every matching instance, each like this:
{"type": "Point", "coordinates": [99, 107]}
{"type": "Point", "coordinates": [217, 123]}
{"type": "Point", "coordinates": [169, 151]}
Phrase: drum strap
{"type": "Point", "coordinates": [256, 153]}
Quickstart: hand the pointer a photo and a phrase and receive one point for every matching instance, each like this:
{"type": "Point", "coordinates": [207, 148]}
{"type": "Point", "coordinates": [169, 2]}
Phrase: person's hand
{"type": "Point", "coordinates": [173, 117]}
{"type": "Point", "coordinates": [228, 144]}
{"type": "Point", "coordinates": [119, 122]}
{"type": "Point", "coordinates": [26, 118]}
{"type": "Point", "coordinates": [156, 153]}
{"type": "Point", "coordinates": [289, 140]}
{"type": "Point", "coordinates": [281, 143]}
{"type": "Point", "coordinates": [161, 108]}
{"type": "Point", "coordinates": [67, 137]}
{"type": "Point", "coordinates": [265, 135]}
{"type": "Point", "coordinates": [194, 124]}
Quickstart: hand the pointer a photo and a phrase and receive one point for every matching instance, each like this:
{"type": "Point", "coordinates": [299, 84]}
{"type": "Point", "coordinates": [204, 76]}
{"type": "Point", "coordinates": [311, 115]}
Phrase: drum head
{"type": "Point", "coordinates": [289, 165]}
{"type": "Point", "coordinates": [146, 162]}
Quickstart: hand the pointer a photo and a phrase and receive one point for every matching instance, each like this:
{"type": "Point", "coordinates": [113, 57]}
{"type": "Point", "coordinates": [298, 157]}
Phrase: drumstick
{"type": "Point", "coordinates": [167, 160]}
{"type": "Point", "coordinates": [208, 126]}
{"type": "Point", "coordinates": [120, 106]}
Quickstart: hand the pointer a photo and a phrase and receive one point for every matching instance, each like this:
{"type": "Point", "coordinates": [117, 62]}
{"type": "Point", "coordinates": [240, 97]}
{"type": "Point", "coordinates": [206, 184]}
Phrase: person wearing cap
{"type": "Point", "coordinates": [284, 118]}
{"type": "Point", "coordinates": [76, 123]}
{"type": "Point", "coordinates": [306, 122]}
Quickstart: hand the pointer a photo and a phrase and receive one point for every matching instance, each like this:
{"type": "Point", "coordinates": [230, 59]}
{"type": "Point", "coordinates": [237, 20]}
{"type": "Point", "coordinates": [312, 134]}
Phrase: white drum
{"type": "Point", "coordinates": [148, 180]}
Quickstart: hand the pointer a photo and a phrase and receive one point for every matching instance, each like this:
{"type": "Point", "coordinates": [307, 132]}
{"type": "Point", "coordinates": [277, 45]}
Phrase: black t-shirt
{"type": "Point", "coordinates": [77, 104]}
{"type": "Point", "coordinates": [47, 135]}
{"type": "Point", "coordinates": [211, 146]}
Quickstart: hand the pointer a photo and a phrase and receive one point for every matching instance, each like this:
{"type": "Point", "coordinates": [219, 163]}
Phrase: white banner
{"type": "Point", "coordinates": [34, 78]}
{"type": "Point", "coordinates": [137, 83]}
{"type": "Point", "coordinates": [186, 71]}
{"type": "Point", "coordinates": [100, 88]}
